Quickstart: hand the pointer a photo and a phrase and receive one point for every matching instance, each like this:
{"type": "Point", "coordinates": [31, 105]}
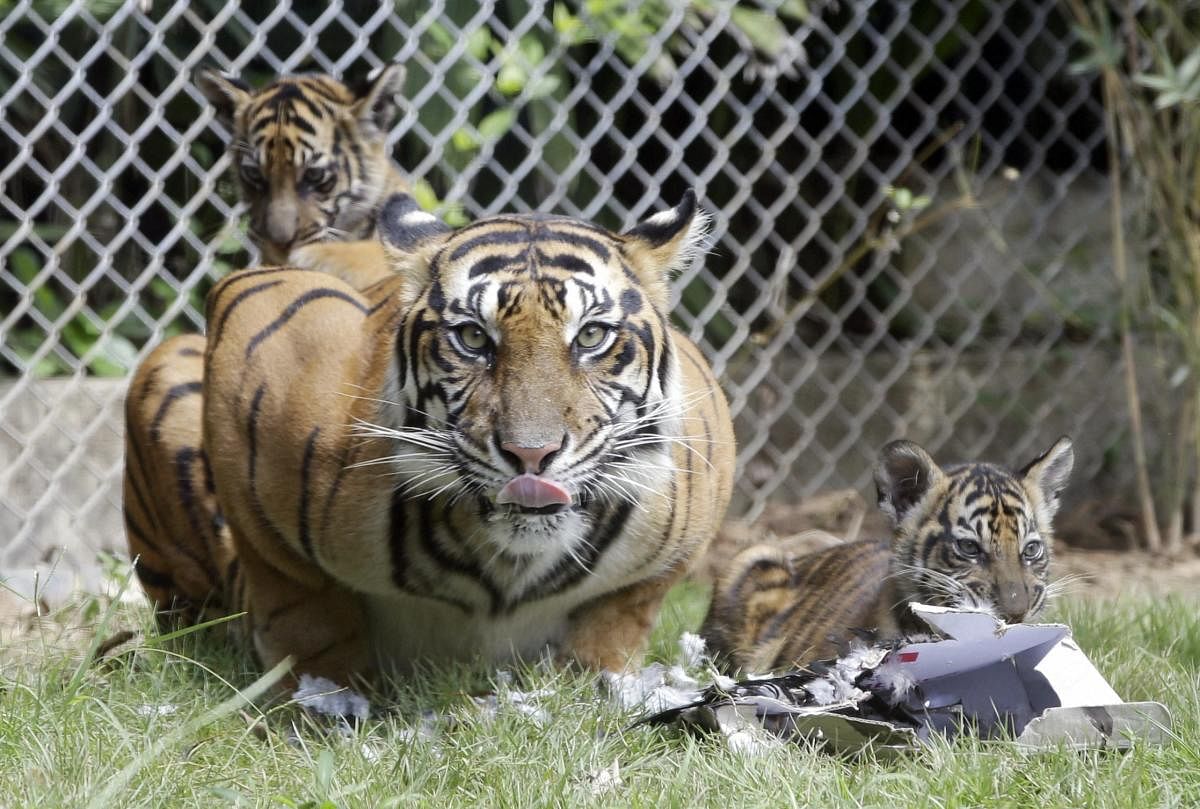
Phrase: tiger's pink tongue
{"type": "Point", "coordinates": [531, 491]}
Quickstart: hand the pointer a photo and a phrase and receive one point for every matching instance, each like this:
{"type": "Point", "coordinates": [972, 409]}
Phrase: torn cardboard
{"type": "Point", "coordinates": [1028, 682]}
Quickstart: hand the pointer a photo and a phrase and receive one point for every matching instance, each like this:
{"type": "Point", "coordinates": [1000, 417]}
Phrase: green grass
{"type": "Point", "coordinates": [77, 734]}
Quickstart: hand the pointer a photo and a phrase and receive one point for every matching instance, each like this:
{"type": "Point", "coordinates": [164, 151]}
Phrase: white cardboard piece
{"type": "Point", "coordinates": [1028, 680]}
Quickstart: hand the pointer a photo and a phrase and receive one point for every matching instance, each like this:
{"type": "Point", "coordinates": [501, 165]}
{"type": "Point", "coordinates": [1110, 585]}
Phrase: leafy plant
{"type": "Point", "coordinates": [1148, 61]}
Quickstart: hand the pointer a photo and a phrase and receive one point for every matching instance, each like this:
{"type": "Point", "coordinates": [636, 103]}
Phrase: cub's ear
{"type": "Point", "coordinates": [376, 106]}
{"type": "Point", "coordinates": [1048, 473]}
{"type": "Point", "coordinates": [409, 236]}
{"type": "Point", "coordinates": [664, 243]}
{"type": "Point", "coordinates": [226, 93]}
{"type": "Point", "coordinates": [903, 474]}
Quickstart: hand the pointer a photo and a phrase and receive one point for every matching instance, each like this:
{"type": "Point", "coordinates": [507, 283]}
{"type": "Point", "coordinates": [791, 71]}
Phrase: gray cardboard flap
{"type": "Point", "coordinates": [1073, 678]}
{"type": "Point", "coordinates": [1113, 726]}
{"type": "Point", "coordinates": [976, 640]}
{"type": "Point", "coordinates": [850, 734]}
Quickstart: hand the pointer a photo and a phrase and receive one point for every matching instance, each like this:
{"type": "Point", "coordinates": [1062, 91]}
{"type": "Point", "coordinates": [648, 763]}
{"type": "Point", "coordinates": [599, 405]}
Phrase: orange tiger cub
{"type": "Point", "coordinates": [972, 536]}
{"type": "Point", "coordinates": [312, 160]}
{"type": "Point", "coordinates": [502, 448]}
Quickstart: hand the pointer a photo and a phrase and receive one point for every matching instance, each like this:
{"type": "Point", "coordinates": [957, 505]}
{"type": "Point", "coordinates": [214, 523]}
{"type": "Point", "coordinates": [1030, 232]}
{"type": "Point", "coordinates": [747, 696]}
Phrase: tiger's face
{"type": "Point", "coordinates": [537, 365]}
{"type": "Point", "coordinates": [310, 154]}
{"type": "Point", "coordinates": [974, 536]}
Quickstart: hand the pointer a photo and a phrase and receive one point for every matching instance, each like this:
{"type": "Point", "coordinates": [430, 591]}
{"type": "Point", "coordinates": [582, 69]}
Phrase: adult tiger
{"type": "Point", "coordinates": [502, 447]}
{"type": "Point", "coordinates": [312, 159]}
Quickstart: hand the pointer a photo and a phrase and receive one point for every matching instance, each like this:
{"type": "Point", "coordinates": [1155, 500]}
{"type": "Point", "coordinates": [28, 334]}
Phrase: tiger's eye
{"type": "Point", "coordinates": [967, 548]}
{"type": "Point", "coordinates": [315, 175]}
{"type": "Point", "coordinates": [591, 335]}
{"type": "Point", "coordinates": [473, 337]}
{"type": "Point", "coordinates": [1033, 550]}
{"type": "Point", "coordinates": [251, 173]}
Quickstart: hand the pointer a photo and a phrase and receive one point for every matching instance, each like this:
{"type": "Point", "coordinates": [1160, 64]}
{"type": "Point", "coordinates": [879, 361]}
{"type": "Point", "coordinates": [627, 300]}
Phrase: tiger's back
{"type": "Point", "coordinates": [974, 536]}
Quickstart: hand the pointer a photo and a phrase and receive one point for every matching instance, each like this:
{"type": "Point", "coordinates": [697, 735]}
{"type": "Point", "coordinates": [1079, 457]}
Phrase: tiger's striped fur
{"type": "Point", "coordinates": [974, 536]}
{"type": "Point", "coordinates": [312, 160]}
{"type": "Point", "coordinates": [362, 447]}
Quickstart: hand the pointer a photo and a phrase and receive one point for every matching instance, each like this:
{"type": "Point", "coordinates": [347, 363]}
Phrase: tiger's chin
{"type": "Point", "coordinates": [543, 533]}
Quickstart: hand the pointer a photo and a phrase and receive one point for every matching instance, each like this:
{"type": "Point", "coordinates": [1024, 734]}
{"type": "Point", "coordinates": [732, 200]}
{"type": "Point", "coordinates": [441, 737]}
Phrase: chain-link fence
{"type": "Point", "coordinates": [909, 206]}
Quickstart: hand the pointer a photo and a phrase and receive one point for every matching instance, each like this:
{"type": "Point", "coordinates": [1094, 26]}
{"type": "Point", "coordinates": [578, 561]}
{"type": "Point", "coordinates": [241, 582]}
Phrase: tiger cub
{"type": "Point", "coordinates": [312, 160]}
{"type": "Point", "coordinates": [971, 536]}
{"type": "Point", "coordinates": [504, 447]}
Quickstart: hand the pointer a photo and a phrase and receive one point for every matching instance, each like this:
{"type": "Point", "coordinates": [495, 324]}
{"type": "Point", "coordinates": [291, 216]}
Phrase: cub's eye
{"type": "Point", "coordinates": [251, 174]}
{"type": "Point", "coordinates": [967, 548]}
{"type": "Point", "coordinates": [473, 338]}
{"type": "Point", "coordinates": [592, 335]}
{"type": "Point", "coordinates": [315, 176]}
{"type": "Point", "coordinates": [1033, 550]}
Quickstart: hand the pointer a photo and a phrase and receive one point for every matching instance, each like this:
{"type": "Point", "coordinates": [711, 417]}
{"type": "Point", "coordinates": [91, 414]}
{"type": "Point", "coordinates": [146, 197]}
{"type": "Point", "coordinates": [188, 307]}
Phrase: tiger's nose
{"type": "Point", "coordinates": [1013, 604]}
{"type": "Point", "coordinates": [530, 459]}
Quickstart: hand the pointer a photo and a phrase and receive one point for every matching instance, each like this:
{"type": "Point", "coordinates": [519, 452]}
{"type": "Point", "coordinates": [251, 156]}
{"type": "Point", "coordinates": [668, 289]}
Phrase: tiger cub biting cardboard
{"type": "Point", "coordinates": [974, 536]}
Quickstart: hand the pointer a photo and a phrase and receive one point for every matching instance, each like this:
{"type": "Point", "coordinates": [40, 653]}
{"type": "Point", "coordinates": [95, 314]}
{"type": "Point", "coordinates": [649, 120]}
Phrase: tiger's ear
{"type": "Point", "coordinates": [903, 475]}
{"type": "Point", "coordinates": [375, 107]}
{"type": "Point", "coordinates": [1048, 474]}
{"type": "Point", "coordinates": [409, 236]}
{"type": "Point", "coordinates": [226, 93]}
{"type": "Point", "coordinates": [664, 243]}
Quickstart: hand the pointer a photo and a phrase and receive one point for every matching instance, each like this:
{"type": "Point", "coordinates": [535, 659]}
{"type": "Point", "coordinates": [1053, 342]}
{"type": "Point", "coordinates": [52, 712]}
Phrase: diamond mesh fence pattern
{"type": "Point", "coordinates": [908, 200]}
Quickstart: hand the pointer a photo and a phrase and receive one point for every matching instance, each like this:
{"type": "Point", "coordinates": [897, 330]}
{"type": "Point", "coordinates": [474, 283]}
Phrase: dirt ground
{"type": "Point", "coordinates": [1091, 551]}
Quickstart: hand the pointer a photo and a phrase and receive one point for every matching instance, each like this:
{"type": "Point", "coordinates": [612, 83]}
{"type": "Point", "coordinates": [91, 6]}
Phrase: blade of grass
{"type": "Point", "coordinates": [107, 796]}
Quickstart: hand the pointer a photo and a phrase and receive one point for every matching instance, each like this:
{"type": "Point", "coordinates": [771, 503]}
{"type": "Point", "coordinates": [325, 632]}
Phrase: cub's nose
{"type": "Point", "coordinates": [530, 459]}
{"type": "Point", "coordinates": [1012, 603]}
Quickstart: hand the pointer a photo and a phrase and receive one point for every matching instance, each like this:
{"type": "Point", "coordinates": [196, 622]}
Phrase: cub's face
{"type": "Point", "coordinates": [973, 536]}
{"type": "Point", "coordinates": [537, 365]}
{"type": "Point", "coordinates": [309, 152]}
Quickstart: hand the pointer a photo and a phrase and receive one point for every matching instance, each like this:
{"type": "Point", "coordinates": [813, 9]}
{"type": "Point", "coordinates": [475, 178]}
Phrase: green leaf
{"type": "Point", "coordinates": [511, 79]}
{"type": "Point", "coordinates": [545, 86]}
{"type": "Point", "coordinates": [570, 29]}
{"type": "Point", "coordinates": [1104, 50]}
{"type": "Point", "coordinates": [479, 43]}
{"type": "Point", "coordinates": [533, 50]}
{"type": "Point", "coordinates": [163, 291]}
{"type": "Point", "coordinates": [121, 351]}
{"type": "Point", "coordinates": [76, 338]}
{"type": "Point", "coordinates": [25, 265]}
{"type": "Point", "coordinates": [497, 123]}
{"type": "Point", "coordinates": [464, 140]}
{"type": "Point", "coordinates": [425, 196]}
{"type": "Point", "coordinates": [442, 39]}
{"type": "Point", "coordinates": [795, 9]}
{"type": "Point", "coordinates": [764, 30]}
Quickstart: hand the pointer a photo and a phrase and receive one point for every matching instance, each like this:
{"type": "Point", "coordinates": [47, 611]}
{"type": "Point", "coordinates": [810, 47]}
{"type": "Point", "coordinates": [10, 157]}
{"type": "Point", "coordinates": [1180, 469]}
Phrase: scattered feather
{"type": "Point", "coordinates": [327, 698]}
{"type": "Point", "coordinates": [604, 780]}
{"type": "Point", "coordinates": [692, 649]}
